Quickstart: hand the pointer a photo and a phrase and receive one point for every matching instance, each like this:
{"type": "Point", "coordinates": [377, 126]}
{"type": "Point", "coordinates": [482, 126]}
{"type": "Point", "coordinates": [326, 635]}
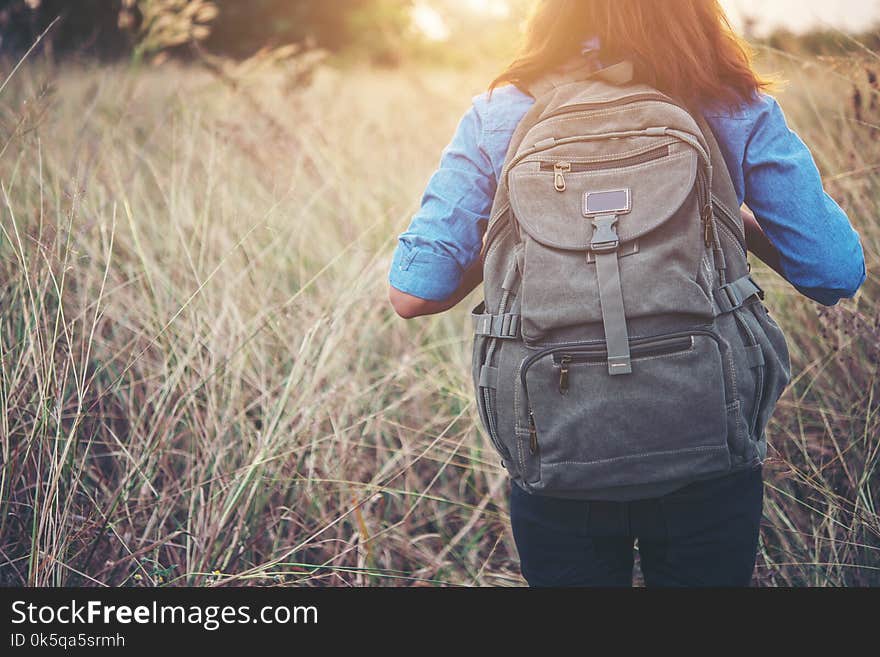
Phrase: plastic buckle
{"type": "Point", "coordinates": [605, 238]}
{"type": "Point", "coordinates": [509, 326]}
{"type": "Point", "coordinates": [761, 294]}
{"type": "Point", "coordinates": [483, 325]}
{"type": "Point", "coordinates": [618, 365]}
{"type": "Point", "coordinates": [497, 326]}
{"type": "Point", "coordinates": [732, 296]}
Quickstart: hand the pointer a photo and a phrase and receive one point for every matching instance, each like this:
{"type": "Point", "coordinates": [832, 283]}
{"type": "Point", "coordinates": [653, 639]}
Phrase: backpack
{"type": "Point", "coordinates": [622, 348]}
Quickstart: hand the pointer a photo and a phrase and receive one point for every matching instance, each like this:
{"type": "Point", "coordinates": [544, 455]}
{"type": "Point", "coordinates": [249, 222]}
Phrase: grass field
{"type": "Point", "coordinates": [201, 380]}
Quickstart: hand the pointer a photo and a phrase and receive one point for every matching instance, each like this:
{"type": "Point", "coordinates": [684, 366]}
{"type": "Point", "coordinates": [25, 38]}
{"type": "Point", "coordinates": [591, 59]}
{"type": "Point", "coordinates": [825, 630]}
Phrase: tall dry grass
{"type": "Point", "coordinates": [201, 381]}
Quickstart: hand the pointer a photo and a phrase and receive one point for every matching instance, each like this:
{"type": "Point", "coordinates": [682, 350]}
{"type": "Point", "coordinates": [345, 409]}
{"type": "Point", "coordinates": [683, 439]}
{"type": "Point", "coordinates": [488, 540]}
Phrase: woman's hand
{"type": "Point", "coordinates": [759, 244]}
{"type": "Point", "coordinates": [408, 306]}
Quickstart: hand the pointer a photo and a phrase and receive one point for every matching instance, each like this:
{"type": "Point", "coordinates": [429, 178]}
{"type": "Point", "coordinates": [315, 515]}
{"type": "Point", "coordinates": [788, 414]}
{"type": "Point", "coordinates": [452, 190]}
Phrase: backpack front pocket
{"type": "Point", "coordinates": [666, 421]}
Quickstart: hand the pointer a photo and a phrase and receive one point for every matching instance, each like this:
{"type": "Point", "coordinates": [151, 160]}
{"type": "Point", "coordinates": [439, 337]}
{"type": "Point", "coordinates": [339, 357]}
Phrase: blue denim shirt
{"type": "Point", "coordinates": [773, 172]}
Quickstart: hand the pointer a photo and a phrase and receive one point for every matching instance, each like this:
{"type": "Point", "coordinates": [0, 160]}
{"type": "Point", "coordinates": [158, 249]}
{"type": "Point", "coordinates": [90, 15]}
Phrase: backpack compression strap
{"type": "Point", "coordinates": [604, 245]}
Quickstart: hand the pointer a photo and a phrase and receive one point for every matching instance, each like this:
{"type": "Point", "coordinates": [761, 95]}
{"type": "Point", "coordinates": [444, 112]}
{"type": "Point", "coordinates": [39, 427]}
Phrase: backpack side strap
{"type": "Point", "coordinates": [733, 295]}
{"type": "Point", "coordinates": [504, 327]}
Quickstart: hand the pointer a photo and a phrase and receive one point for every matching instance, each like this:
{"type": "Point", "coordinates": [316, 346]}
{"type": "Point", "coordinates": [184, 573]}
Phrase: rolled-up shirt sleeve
{"type": "Point", "coordinates": [444, 237]}
{"type": "Point", "coordinates": [821, 253]}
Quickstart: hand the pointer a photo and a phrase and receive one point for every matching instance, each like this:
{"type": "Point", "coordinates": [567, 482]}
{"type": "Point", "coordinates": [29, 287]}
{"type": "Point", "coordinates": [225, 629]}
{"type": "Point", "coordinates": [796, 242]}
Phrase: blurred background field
{"type": "Point", "coordinates": [201, 380]}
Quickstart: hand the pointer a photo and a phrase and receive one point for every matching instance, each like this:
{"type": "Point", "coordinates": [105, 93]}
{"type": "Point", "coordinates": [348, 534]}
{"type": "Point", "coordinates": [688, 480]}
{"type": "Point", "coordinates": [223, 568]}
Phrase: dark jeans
{"type": "Point", "coordinates": [705, 534]}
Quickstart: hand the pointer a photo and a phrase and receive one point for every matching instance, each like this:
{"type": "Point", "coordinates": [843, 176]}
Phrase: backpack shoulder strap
{"type": "Point", "coordinates": [722, 182]}
{"type": "Point", "coordinates": [735, 273]}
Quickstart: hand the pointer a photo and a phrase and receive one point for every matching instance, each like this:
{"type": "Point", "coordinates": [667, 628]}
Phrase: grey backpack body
{"type": "Point", "coordinates": [622, 348]}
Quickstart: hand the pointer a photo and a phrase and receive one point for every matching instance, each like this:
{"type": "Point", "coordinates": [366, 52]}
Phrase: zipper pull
{"type": "Point", "coordinates": [563, 375]}
{"type": "Point", "coordinates": [533, 434]}
{"type": "Point", "coordinates": [559, 170]}
{"type": "Point", "coordinates": [708, 232]}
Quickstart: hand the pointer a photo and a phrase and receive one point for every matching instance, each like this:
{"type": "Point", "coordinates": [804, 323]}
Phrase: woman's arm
{"type": "Point", "coordinates": [819, 252]}
{"type": "Point", "coordinates": [409, 306]}
{"type": "Point", "coordinates": [436, 263]}
{"type": "Point", "coordinates": [759, 244]}
{"type": "Point", "coordinates": [434, 266]}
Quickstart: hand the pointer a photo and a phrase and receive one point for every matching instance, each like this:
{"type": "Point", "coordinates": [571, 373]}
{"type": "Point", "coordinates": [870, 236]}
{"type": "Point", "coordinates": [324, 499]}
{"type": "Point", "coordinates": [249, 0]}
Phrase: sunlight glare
{"type": "Point", "coordinates": [429, 22]}
{"type": "Point", "coordinates": [496, 8]}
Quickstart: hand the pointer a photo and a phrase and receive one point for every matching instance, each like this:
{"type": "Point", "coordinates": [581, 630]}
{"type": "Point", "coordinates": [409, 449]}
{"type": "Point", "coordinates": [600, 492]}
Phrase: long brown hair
{"type": "Point", "coordinates": [685, 48]}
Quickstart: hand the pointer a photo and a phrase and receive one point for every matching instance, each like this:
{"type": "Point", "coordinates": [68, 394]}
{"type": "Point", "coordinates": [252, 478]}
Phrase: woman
{"type": "Point", "coordinates": [704, 533]}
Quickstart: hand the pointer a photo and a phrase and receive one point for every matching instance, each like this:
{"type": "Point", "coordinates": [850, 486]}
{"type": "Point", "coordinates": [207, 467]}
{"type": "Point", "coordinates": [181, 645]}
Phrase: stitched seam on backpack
{"type": "Point", "coordinates": [732, 366]}
{"type": "Point", "coordinates": [707, 270]}
{"type": "Point", "coordinates": [496, 245]}
{"type": "Point", "coordinates": [498, 241]}
{"type": "Point", "coordinates": [594, 114]}
{"type": "Point", "coordinates": [740, 426]}
{"type": "Point", "coordinates": [634, 336]}
{"type": "Point", "coordinates": [684, 450]}
{"type": "Point", "coordinates": [520, 455]}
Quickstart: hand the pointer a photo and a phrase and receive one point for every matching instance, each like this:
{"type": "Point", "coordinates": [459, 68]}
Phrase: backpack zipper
{"type": "Point", "coordinates": [564, 362]}
{"type": "Point", "coordinates": [533, 434]}
{"type": "Point", "coordinates": [730, 225]}
{"type": "Point", "coordinates": [562, 167]}
{"type": "Point", "coordinates": [559, 169]}
{"type": "Point", "coordinates": [596, 351]}
{"type": "Point", "coordinates": [664, 347]}
{"type": "Point", "coordinates": [493, 425]}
